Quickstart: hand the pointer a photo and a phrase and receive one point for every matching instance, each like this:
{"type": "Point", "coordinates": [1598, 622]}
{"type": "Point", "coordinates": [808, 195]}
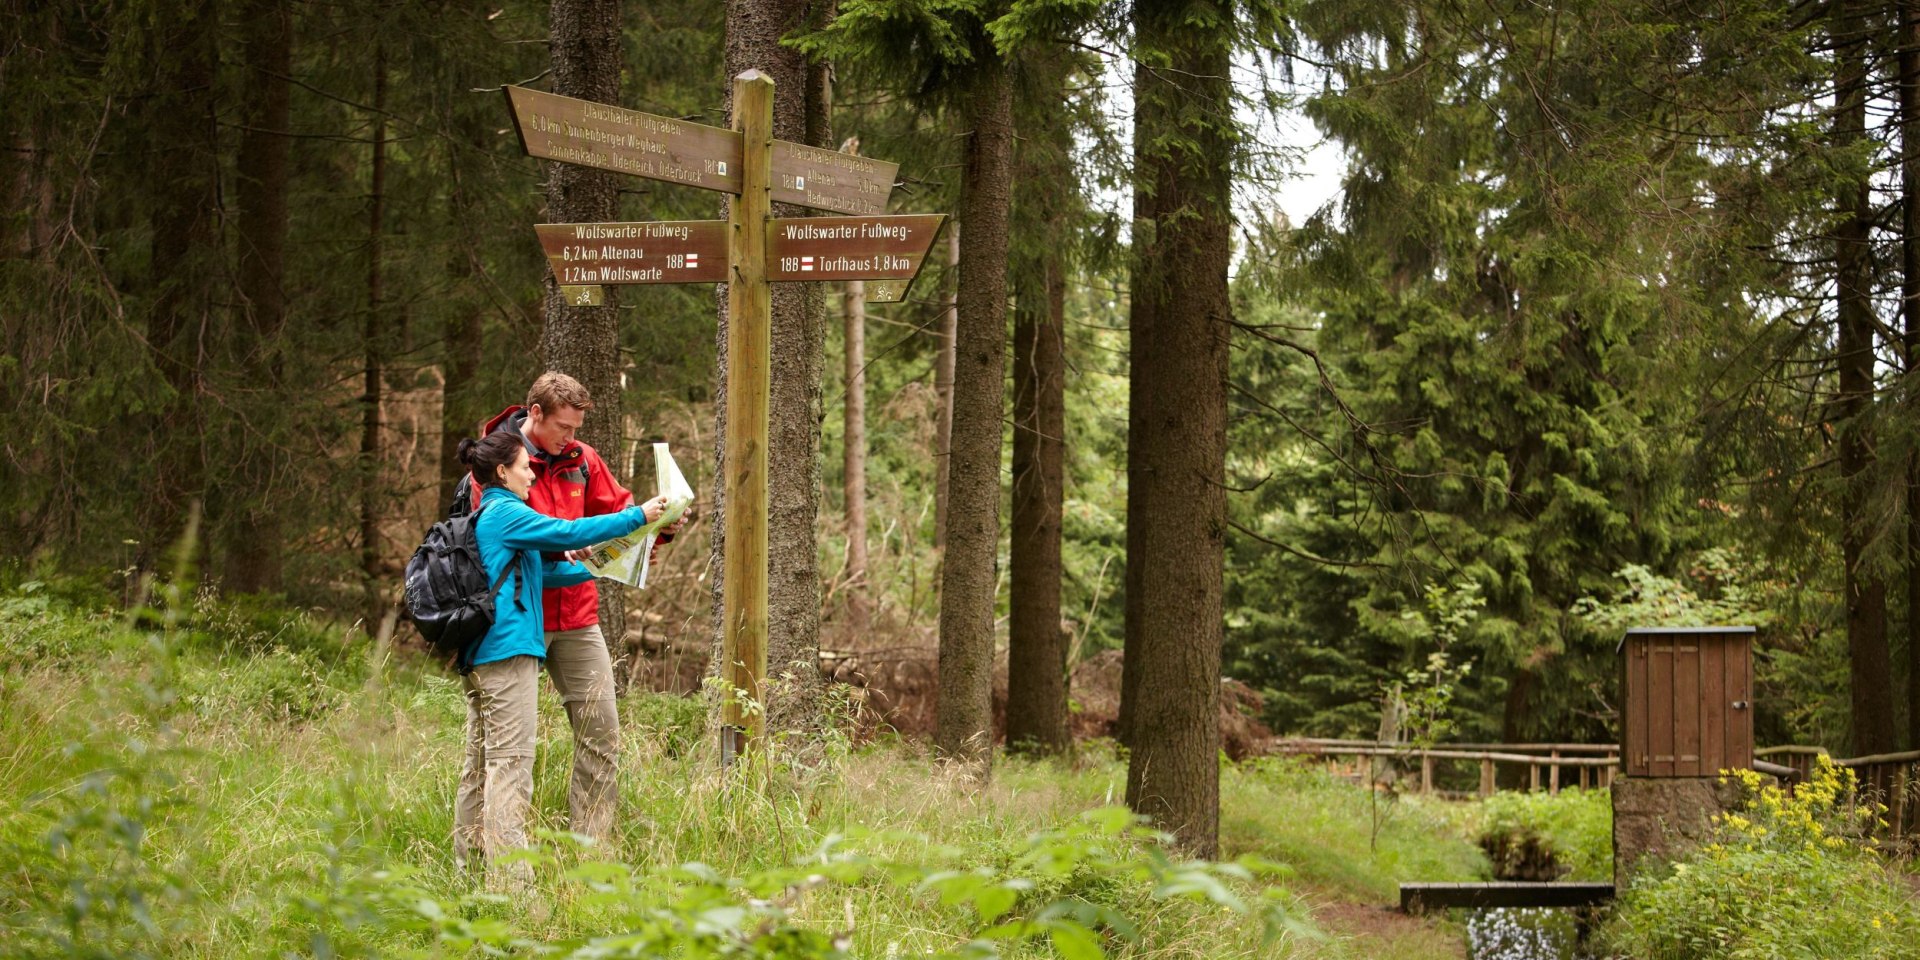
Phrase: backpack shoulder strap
{"type": "Point", "coordinates": [513, 563]}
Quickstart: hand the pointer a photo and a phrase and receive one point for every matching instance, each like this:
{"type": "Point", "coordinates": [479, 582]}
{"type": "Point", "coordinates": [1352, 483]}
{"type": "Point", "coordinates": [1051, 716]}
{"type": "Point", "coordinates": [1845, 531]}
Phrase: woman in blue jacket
{"type": "Point", "coordinates": [496, 783]}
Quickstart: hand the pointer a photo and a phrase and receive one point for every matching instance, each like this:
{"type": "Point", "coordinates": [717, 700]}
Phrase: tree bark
{"type": "Point", "coordinates": [464, 333]}
{"type": "Point", "coordinates": [371, 496]}
{"type": "Point", "coordinates": [754, 30]}
{"type": "Point", "coordinates": [1141, 307]}
{"type": "Point", "coordinates": [254, 540]}
{"type": "Point", "coordinates": [1036, 642]}
{"type": "Point", "coordinates": [584, 341]}
{"type": "Point", "coordinates": [1908, 41]}
{"type": "Point", "coordinates": [185, 170]}
{"type": "Point", "coordinates": [963, 725]}
{"type": "Point", "coordinates": [854, 459]}
{"type": "Point", "coordinates": [943, 360]}
{"type": "Point", "coordinates": [1177, 459]}
{"type": "Point", "coordinates": [1872, 690]}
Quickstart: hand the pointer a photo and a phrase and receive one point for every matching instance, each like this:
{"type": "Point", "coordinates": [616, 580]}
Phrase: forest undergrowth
{"type": "Point", "coordinates": [223, 780]}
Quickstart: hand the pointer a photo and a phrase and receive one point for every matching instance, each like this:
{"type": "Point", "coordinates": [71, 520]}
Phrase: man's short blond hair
{"type": "Point", "coordinates": [554, 389]}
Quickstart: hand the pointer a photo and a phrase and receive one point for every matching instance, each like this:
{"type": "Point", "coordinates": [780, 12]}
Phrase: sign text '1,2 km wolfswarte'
{"type": "Point", "coordinates": [669, 251]}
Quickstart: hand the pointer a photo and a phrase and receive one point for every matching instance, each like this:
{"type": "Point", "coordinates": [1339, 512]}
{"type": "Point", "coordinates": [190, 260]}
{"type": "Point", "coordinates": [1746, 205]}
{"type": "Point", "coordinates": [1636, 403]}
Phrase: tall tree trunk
{"type": "Point", "coordinates": [470, 129]}
{"type": "Point", "coordinates": [1177, 461]}
{"type": "Point", "coordinates": [963, 723]}
{"type": "Point", "coordinates": [584, 341]}
{"type": "Point", "coordinates": [1866, 592]}
{"type": "Point", "coordinates": [1144, 276]}
{"type": "Point", "coordinates": [371, 496]}
{"type": "Point", "coordinates": [29, 184]}
{"type": "Point", "coordinates": [1908, 40]}
{"type": "Point", "coordinates": [185, 172]}
{"type": "Point", "coordinates": [464, 332]}
{"type": "Point", "coordinates": [943, 361]}
{"type": "Point", "coordinates": [854, 454]}
{"type": "Point", "coordinates": [254, 539]}
{"type": "Point", "coordinates": [1036, 644]}
{"type": "Point", "coordinates": [754, 30]}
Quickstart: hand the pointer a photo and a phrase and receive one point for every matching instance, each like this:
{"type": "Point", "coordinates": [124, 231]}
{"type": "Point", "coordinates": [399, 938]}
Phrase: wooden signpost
{"type": "Point", "coordinates": [747, 251]}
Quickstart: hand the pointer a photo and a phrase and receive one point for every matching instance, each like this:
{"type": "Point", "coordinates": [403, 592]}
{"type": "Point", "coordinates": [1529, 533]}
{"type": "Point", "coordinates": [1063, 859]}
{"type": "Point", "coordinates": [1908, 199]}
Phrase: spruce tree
{"type": "Point", "coordinates": [1185, 139]}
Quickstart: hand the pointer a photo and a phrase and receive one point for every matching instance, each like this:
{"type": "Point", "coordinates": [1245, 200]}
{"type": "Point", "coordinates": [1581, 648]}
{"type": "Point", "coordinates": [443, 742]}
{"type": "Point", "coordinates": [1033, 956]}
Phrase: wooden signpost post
{"type": "Point", "coordinates": [747, 251]}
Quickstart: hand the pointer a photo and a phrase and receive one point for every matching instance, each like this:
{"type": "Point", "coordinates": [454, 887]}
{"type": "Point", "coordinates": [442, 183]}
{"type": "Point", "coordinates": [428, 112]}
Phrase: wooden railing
{"type": "Point", "coordinates": [1890, 779]}
{"type": "Point", "coordinates": [1586, 765]}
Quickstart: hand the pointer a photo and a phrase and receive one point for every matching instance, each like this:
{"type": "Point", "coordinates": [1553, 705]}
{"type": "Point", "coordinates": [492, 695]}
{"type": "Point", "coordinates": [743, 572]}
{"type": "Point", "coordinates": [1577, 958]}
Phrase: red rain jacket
{"type": "Point", "coordinates": [572, 484]}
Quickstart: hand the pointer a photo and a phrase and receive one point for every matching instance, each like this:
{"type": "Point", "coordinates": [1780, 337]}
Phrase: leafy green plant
{"type": "Point", "coordinates": [1717, 588]}
{"type": "Point", "coordinates": [694, 910]}
{"type": "Point", "coordinates": [1566, 835]}
{"type": "Point", "coordinates": [1782, 877]}
{"type": "Point", "coordinates": [1428, 692]}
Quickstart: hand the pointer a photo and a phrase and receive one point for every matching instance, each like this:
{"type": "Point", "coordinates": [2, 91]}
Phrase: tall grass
{"type": "Point", "coordinates": [227, 781]}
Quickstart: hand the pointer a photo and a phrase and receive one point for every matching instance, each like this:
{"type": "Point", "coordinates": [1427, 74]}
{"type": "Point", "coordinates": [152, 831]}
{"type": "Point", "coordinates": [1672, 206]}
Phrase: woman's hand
{"type": "Point", "coordinates": [653, 509]}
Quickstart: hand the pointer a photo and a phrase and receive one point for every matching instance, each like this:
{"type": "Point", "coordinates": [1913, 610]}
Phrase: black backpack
{"type": "Point", "coordinates": [448, 597]}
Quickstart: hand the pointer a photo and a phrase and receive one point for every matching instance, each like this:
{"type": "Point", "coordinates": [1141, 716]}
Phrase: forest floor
{"type": "Point", "coordinates": [199, 793]}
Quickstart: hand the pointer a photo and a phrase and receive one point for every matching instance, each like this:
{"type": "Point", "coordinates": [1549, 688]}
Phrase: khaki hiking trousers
{"type": "Point", "coordinates": [582, 672]}
{"type": "Point", "coordinates": [495, 798]}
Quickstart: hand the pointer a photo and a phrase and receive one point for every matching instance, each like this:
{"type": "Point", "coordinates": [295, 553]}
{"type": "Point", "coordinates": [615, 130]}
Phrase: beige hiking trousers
{"type": "Point", "coordinates": [495, 798]}
{"type": "Point", "coordinates": [582, 672]}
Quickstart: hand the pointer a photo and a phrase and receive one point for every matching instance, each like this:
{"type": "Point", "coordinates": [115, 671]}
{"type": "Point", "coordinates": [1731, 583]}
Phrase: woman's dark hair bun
{"type": "Point", "coordinates": [486, 456]}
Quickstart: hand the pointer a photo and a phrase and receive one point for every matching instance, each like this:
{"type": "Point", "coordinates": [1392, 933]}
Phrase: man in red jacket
{"type": "Point", "coordinates": [570, 482]}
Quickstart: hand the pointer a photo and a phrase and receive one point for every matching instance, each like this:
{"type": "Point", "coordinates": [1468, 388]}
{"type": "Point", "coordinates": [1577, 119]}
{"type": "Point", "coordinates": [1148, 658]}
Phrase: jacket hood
{"type": "Point", "coordinates": [513, 418]}
{"type": "Point", "coordinates": [511, 415]}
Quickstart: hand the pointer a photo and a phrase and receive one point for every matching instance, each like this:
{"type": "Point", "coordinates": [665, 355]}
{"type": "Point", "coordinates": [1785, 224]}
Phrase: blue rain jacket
{"type": "Point", "coordinates": [509, 529]}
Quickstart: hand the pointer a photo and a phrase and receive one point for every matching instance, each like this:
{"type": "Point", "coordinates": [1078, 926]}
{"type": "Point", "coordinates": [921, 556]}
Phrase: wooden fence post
{"type": "Point", "coordinates": [1486, 777]}
{"type": "Point", "coordinates": [1901, 776]}
{"type": "Point", "coordinates": [1553, 774]}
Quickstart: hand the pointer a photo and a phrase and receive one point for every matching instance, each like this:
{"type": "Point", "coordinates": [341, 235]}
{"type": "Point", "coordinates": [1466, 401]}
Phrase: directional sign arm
{"type": "Point", "coordinates": [850, 248]}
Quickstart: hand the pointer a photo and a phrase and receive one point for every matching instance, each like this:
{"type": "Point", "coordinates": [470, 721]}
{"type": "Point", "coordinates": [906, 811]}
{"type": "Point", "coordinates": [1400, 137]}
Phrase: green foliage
{"type": "Point", "coordinates": [1574, 828]}
{"type": "Point", "coordinates": [694, 910]}
{"type": "Point", "coordinates": [1427, 693]}
{"type": "Point", "coordinates": [1325, 830]}
{"type": "Point", "coordinates": [1781, 878]}
{"type": "Point", "coordinates": [177, 798]}
{"type": "Point", "coordinates": [1488, 362]}
{"type": "Point", "coordinates": [1721, 593]}
{"type": "Point", "coordinates": [269, 422]}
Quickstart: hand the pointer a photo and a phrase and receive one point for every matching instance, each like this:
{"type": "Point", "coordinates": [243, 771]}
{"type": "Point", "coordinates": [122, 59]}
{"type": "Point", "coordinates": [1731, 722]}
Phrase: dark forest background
{"type": "Point", "coordinates": [1612, 323]}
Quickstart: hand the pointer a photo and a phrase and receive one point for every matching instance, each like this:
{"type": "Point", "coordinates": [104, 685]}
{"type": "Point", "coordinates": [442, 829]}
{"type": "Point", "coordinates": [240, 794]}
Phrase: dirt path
{"type": "Point", "coordinates": [1369, 930]}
